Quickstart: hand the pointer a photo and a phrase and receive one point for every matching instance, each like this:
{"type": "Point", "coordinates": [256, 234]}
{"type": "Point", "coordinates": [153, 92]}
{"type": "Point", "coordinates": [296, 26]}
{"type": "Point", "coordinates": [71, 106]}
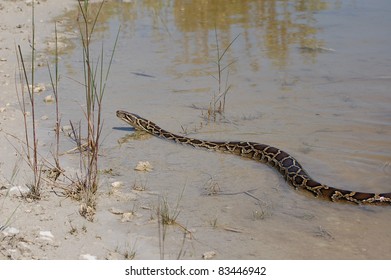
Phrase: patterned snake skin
{"type": "Point", "coordinates": [284, 163]}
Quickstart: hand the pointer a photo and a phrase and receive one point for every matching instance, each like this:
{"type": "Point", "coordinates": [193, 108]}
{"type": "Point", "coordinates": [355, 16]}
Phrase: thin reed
{"type": "Point", "coordinates": [31, 151]}
{"type": "Point", "coordinates": [217, 104]}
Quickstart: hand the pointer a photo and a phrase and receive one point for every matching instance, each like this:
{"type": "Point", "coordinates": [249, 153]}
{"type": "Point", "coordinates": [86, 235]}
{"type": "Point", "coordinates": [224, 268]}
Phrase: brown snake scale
{"type": "Point", "coordinates": [287, 165]}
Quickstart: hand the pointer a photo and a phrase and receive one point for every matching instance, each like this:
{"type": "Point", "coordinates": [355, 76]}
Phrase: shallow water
{"type": "Point", "coordinates": [309, 77]}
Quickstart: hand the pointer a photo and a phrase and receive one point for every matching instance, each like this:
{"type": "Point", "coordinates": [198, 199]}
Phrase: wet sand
{"type": "Point", "coordinates": [324, 99]}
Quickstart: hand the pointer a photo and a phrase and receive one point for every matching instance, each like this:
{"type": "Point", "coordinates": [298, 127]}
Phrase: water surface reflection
{"type": "Point", "coordinates": [269, 27]}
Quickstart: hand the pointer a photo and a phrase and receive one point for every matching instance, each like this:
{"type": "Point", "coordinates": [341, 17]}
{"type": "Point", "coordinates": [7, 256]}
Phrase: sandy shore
{"type": "Point", "coordinates": [15, 29]}
{"type": "Point", "coordinates": [28, 233]}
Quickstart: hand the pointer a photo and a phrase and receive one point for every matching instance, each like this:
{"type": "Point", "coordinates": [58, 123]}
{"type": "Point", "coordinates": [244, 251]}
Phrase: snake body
{"type": "Point", "coordinates": [283, 162]}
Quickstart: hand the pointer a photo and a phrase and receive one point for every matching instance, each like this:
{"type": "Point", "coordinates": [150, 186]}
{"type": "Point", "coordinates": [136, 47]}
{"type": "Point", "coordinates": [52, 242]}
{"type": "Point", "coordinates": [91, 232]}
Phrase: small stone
{"type": "Point", "coordinates": [66, 128]}
{"type": "Point", "coordinates": [116, 211]}
{"type": "Point", "coordinates": [3, 109]}
{"type": "Point", "coordinates": [117, 184]}
{"type": "Point", "coordinates": [38, 88]}
{"type": "Point", "coordinates": [10, 231]}
{"type": "Point", "coordinates": [114, 256]}
{"type": "Point", "coordinates": [49, 99]}
{"type": "Point", "coordinates": [46, 235]}
{"type": "Point", "coordinates": [44, 118]}
{"type": "Point", "coordinates": [143, 166]}
{"type": "Point", "coordinates": [30, 2]}
{"type": "Point", "coordinates": [19, 190]}
{"type": "Point", "coordinates": [127, 216]}
{"type": "Point", "coordinates": [208, 255]}
{"type": "Point", "coordinates": [88, 257]}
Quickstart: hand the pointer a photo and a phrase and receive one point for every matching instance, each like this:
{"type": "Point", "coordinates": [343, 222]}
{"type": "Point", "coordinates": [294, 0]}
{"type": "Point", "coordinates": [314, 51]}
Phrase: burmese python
{"type": "Point", "coordinates": [288, 166]}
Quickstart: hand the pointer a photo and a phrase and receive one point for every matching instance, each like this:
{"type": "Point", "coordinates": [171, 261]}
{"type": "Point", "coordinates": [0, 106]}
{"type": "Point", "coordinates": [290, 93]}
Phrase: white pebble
{"type": "Point", "coordinates": [38, 88]}
{"type": "Point", "coordinates": [10, 231]}
{"type": "Point", "coordinates": [117, 184]}
{"type": "Point", "coordinates": [48, 99]}
{"type": "Point", "coordinates": [66, 127]}
{"type": "Point", "coordinates": [19, 190]}
{"type": "Point", "coordinates": [88, 257]}
{"type": "Point", "coordinates": [46, 235]}
{"type": "Point", "coordinates": [208, 255]}
{"type": "Point", "coordinates": [143, 166]}
{"type": "Point", "coordinates": [127, 216]}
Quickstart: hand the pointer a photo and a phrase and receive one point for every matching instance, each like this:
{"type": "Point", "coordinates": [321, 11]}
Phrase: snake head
{"type": "Point", "coordinates": [132, 119]}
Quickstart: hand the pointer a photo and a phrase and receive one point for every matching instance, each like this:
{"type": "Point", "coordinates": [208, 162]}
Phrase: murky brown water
{"type": "Point", "coordinates": [310, 77]}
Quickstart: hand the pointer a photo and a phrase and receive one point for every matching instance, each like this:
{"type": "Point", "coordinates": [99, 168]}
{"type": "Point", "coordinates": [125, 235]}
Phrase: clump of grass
{"type": "Point", "coordinates": [27, 103]}
{"type": "Point", "coordinates": [139, 186]}
{"type": "Point", "coordinates": [259, 214]}
{"type": "Point", "coordinates": [28, 83]}
{"type": "Point", "coordinates": [323, 233]}
{"type": "Point", "coordinates": [263, 212]}
{"type": "Point", "coordinates": [73, 230]}
{"type": "Point", "coordinates": [95, 79]}
{"type": "Point", "coordinates": [167, 216]}
{"type": "Point", "coordinates": [129, 253]}
{"type": "Point", "coordinates": [217, 104]}
{"type": "Point", "coordinates": [212, 186]}
{"type": "Point", "coordinates": [213, 222]}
